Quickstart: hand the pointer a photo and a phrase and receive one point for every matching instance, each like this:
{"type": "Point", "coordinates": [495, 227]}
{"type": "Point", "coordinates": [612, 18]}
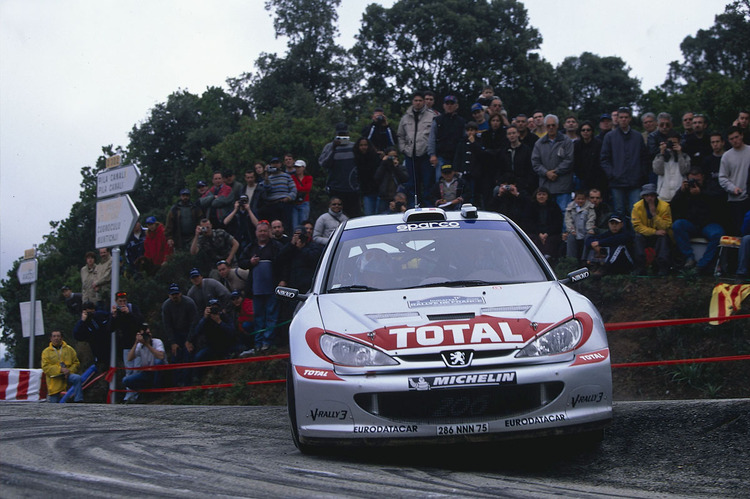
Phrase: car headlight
{"type": "Point", "coordinates": [563, 338]}
{"type": "Point", "coordinates": [350, 353]}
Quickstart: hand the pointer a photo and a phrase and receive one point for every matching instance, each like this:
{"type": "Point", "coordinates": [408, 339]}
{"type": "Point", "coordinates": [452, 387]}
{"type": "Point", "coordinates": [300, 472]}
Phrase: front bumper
{"type": "Point", "coordinates": [460, 405]}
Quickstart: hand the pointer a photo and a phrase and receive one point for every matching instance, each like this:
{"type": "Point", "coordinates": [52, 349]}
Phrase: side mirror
{"type": "Point", "coordinates": [290, 294]}
{"type": "Point", "coordinates": [576, 275]}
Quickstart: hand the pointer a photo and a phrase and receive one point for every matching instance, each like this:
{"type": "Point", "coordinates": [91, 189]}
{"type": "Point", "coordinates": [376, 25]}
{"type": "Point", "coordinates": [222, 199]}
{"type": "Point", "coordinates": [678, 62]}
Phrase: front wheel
{"type": "Point", "coordinates": [292, 408]}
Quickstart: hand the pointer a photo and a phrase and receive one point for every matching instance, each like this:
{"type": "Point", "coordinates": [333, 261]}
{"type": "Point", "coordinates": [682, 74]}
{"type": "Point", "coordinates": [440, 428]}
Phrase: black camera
{"type": "Point", "coordinates": [506, 187]}
{"type": "Point", "coordinates": [243, 200]}
{"type": "Point", "coordinates": [380, 118]}
{"type": "Point", "coordinates": [398, 205]}
{"type": "Point", "coordinates": [669, 144]}
{"type": "Point", "coordinates": [692, 183]}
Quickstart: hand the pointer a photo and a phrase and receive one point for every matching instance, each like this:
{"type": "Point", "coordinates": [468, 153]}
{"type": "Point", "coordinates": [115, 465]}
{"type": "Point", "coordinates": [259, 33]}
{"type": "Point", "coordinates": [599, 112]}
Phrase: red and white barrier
{"type": "Point", "coordinates": [22, 385]}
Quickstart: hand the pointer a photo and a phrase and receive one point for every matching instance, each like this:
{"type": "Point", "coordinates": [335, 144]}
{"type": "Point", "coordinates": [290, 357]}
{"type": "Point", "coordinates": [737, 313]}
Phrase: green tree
{"type": "Point", "coordinates": [172, 142]}
{"type": "Point", "coordinates": [453, 46]}
{"type": "Point", "coordinates": [595, 84]}
{"type": "Point", "coordinates": [313, 60]}
{"type": "Point", "coordinates": [712, 78]}
{"type": "Point", "coordinates": [721, 49]}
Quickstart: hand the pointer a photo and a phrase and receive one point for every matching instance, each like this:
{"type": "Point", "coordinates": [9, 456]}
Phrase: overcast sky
{"type": "Point", "coordinates": [76, 75]}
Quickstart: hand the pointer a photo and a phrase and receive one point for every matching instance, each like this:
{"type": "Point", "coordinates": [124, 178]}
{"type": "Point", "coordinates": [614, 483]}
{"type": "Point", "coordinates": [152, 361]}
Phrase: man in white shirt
{"type": "Point", "coordinates": [146, 351]}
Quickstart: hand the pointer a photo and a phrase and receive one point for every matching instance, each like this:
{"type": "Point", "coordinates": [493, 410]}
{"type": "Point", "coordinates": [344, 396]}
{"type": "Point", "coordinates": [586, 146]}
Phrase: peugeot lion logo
{"type": "Point", "coordinates": [458, 358]}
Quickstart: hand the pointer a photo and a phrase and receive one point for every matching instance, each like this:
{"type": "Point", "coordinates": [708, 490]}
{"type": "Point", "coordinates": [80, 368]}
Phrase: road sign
{"type": "Point", "coordinates": [115, 219]}
{"type": "Point", "coordinates": [26, 319]}
{"type": "Point", "coordinates": [27, 271]}
{"type": "Point", "coordinates": [120, 180]}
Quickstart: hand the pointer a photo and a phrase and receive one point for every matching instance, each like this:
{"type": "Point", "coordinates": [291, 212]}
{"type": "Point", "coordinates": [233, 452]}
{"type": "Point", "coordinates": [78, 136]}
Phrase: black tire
{"type": "Point", "coordinates": [292, 408]}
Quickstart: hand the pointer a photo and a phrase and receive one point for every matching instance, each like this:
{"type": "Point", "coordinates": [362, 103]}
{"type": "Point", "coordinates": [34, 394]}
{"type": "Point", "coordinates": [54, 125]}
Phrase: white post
{"type": "Point", "coordinates": [32, 323]}
{"type": "Point", "coordinates": [114, 288]}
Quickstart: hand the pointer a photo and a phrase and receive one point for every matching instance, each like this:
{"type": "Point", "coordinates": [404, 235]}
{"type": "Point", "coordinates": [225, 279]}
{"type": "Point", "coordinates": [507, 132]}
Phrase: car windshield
{"type": "Point", "coordinates": [454, 253]}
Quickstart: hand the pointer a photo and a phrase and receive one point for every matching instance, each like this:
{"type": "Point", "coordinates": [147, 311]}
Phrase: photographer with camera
{"type": "Point", "coordinates": [508, 200]}
{"type": "Point", "coordinates": [93, 328]}
{"type": "Point", "coordinates": [212, 245]}
{"type": "Point", "coordinates": [671, 166]}
{"type": "Point", "coordinates": [214, 337]}
{"type": "Point", "coordinates": [338, 160]}
{"type": "Point", "coordinates": [125, 319]}
{"type": "Point", "coordinates": [146, 351]}
{"type": "Point", "coordinates": [389, 176]}
{"type": "Point", "coordinates": [240, 222]}
{"type": "Point", "coordinates": [378, 132]}
{"type": "Point", "coordinates": [695, 213]}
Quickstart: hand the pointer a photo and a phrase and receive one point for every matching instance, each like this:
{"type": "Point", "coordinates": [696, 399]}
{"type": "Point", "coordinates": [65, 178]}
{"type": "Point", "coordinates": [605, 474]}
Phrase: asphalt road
{"type": "Point", "coordinates": [653, 449]}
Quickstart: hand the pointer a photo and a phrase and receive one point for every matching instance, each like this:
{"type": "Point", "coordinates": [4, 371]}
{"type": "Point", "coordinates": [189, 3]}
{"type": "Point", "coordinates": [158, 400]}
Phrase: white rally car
{"type": "Point", "coordinates": [445, 326]}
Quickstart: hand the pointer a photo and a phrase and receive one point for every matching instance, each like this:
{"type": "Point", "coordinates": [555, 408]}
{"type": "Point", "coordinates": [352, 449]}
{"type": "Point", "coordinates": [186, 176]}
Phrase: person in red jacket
{"type": "Point", "coordinates": [155, 247]}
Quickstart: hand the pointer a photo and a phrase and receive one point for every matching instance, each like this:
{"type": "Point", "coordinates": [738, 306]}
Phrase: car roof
{"type": "Point", "coordinates": [417, 215]}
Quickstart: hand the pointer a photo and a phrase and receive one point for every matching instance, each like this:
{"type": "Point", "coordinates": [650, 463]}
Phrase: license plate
{"type": "Point", "coordinates": [462, 429]}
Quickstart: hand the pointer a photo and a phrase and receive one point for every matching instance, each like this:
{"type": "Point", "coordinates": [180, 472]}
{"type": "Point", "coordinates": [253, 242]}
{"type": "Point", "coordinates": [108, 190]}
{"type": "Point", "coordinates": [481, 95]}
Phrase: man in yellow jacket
{"type": "Point", "coordinates": [652, 223]}
{"type": "Point", "coordinates": [60, 365]}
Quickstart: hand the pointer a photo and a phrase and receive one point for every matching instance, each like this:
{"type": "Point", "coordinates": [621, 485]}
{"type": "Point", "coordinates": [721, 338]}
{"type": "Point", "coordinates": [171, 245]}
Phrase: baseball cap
{"type": "Point", "coordinates": [446, 167]}
{"type": "Point", "coordinates": [174, 288]}
{"type": "Point", "coordinates": [476, 107]}
{"type": "Point", "coordinates": [605, 116]}
{"type": "Point", "coordinates": [195, 273]}
{"type": "Point", "coordinates": [201, 183]}
{"type": "Point", "coordinates": [184, 191]}
{"type": "Point", "coordinates": [615, 217]}
{"type": "Point", "coordinates": [450, 98]}
{"type": "Point", "coordinates": [150, 220]}
{"type": "Point", "coordinates": [301, 163]}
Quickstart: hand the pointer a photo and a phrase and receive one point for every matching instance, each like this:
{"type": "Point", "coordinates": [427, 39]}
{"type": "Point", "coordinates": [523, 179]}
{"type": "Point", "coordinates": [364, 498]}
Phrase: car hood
{"type": "Point", "coordinates": [423, 320]}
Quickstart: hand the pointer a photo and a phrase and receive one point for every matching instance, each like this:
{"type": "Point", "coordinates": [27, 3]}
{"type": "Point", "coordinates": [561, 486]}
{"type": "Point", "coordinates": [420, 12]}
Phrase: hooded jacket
{"type": "Point", "coordinates": [51, 359]}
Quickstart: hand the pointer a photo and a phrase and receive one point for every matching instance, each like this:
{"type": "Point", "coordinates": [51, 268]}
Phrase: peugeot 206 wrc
{"type": "Point", "coordinates": [449, 326]}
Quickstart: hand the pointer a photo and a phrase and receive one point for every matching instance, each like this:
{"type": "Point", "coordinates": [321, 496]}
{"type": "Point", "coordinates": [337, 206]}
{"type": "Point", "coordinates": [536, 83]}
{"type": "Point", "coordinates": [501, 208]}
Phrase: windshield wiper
{"type": "Point", "coordinates": [353, 287]}
{"type": "Point", "coordinates": [454, 284]}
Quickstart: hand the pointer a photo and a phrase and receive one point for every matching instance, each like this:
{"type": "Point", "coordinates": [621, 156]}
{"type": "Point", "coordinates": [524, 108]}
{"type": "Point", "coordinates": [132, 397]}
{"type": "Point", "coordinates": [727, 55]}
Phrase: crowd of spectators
{"type": "Point", "coordinates": [616, 199]}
